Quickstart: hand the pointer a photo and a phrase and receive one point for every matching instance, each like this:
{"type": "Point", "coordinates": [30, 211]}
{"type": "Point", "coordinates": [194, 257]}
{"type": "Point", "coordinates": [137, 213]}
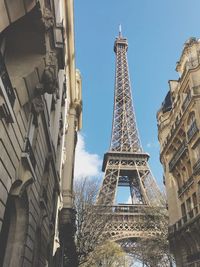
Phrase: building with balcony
{"type": "Point", "coordinates": [179, 137]}
{"type": "Point", "coordinates": [40, 113]}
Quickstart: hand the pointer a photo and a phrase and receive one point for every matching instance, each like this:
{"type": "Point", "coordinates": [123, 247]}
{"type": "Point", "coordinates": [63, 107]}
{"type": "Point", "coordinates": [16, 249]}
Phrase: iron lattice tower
{"type": "Point", "coordinates": [126, 164]}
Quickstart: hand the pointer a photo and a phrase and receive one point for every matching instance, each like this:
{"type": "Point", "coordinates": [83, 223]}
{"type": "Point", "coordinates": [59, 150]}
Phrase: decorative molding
{"type": "Point", "coordinates": [25, 177]}
{"type": "Point", "coordinates": [49, 80]}
{"type": "Point", "coordinates": [47, 19]}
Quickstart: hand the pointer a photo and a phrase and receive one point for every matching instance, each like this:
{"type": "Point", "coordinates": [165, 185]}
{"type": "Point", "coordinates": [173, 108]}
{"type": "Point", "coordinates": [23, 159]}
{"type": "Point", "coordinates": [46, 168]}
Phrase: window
{"type": "Point", "coordinates": [197, 152]}
{"type": "Point", "coordinates": [198, 193]}
{"type": "Point", "coordinates": [186, 99]}
{"type": "Point", "coordinates": [194, 199]}
{"type": "Point", "coordinates": [15, 221]}
{"type": "Point", "coordinates": [195, 203]}
{"type": "Point", "coordinates": [191, 119]}
{"type": "Point", "coordinates": [192, 126]}
{"type": "Point", "coordinates": [7, 94]}
{"type": "Point", "coordinates": [183, 209]}
{"type": "Point", "coordinates": [29, 146]}
{"type": "Point", "coordinates": [189, 204]}
{"type": "Point", "coordinates": [2, 45]}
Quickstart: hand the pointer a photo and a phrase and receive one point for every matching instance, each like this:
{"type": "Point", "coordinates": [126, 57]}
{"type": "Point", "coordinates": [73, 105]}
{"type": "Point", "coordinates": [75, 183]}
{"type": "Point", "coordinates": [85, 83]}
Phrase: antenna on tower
{"type": "Point", "coordinates": [120, 30]}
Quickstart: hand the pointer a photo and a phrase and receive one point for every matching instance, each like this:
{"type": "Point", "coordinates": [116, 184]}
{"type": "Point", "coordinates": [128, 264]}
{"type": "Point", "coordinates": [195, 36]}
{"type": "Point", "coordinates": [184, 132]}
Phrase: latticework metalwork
{"type": "Point", "coordinates": [124, 130]}
{"type": "Point", "coordinates": [126, 164]}
{"type": "Point", "coordinates": [130, 221]}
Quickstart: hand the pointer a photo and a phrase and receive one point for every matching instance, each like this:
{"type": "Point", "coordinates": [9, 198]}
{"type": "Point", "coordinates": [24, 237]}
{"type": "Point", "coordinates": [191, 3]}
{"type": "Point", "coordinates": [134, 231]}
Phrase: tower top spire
{"type": "Point", "coordinates": [120, 31]}
{"type": "Point", "coordinates": [120, 40]}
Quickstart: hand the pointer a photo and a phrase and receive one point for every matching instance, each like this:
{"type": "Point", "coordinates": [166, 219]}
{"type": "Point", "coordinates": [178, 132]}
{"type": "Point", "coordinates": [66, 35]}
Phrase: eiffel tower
{"type": "Point", "coordinates": [126, 164]}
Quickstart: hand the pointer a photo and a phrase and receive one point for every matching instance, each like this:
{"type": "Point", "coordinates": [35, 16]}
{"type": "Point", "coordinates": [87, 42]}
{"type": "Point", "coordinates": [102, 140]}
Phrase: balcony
{"type": "Point", "coordinates": [186, 102]}
{"type": "Point", "coordinates": [172, 132]}
{"type": "Point", "coordinates": [196, 167]}
{"type": "Point", "coordinates": [181, 150]}
{"type": "Point", "coordinates": [178, 120]}
{"type": "Point", "coordinates": [185, 186]}
{"type": "Point", "coordinates": [185, 219]}
{"type": "Point", "coordinates": [192, 131]}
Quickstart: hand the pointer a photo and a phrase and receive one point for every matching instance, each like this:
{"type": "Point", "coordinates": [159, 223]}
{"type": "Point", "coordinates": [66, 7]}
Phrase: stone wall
{"type": "Point", "coordinates": [179, 136]}
{"type": "Point", "coordinates": [32, 125]}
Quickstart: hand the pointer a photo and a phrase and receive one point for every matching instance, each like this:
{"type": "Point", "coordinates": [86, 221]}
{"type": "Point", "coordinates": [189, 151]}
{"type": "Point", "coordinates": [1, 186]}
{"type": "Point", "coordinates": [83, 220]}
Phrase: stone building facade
{"type": "Point", "coordinates": [179, 136]}
{"type": "Point", "coordinates": [40, 113]}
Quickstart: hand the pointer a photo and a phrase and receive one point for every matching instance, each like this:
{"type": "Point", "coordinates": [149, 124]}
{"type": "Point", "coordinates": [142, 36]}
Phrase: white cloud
{"type": "Point", "coordinates": [153, 144]}
{"type": "Point", "coordinates": [86, 164]}
{"type": "Point", "coordinates": [129, 201]}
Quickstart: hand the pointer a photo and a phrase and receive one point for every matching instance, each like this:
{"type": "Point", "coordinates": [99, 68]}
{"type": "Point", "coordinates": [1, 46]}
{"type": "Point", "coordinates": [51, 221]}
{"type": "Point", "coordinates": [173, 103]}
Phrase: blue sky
{"type": "Point", "coordinates": [156, 32]}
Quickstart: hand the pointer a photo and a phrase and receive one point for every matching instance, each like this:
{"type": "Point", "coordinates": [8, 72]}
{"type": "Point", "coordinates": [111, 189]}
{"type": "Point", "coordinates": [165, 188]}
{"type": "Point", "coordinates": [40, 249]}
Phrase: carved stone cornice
{"type": "Point", "coordinates": [43, 19]}
{"type": "Point", "coordinates": [37, 105]}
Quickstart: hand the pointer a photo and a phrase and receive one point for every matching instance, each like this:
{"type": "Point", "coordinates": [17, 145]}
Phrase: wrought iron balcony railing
{"type": "Point", "coordinates": [129, 208]}
{"type": "Point", "coordinates": [172, 132]}
{"type": "Point", "coordinates": [6, 81]}
{"type": "Point", "coordinates": [185, 186]}
{"type": "Point", "coordinates": [134, 209]}
{"type": "Point", "coordinates": [192, 131]}
{"type": "Point", "coordinates": [28, 149]}
{"type": "Point", "coordinates": [178, 120]}
{"type": "Point", "coordinates": [185, 219]}
{"type": "Point", "coordinates": [182, 148]}
{"type": "Point", "coordinates": [7, 92]}
{"type": "Point", "coordinates": [196, 167]}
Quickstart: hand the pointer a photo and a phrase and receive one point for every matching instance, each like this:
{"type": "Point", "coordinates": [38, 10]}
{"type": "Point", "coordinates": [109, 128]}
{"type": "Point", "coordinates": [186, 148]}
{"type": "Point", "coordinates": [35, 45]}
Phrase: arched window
{"type": "Point", "coordinates": [14, 229]}
{"type": "Point", "coordinates": [7, 226]}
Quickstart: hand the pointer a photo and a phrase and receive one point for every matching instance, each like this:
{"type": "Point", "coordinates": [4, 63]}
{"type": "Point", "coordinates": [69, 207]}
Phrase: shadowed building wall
{"type": "Point", "coordinates": [36, 96]}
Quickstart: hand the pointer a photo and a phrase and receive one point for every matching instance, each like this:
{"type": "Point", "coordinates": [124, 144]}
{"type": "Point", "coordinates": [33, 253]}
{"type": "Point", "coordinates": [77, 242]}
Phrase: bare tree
{"type": "Point", "coordinates": [90, 218]}
{"type": "Point", "coordinates": [154, 251]}
{"type": "Point", "coordinates": [109, 254]}
{"type": "Point", "coordinates": [91, 221]}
